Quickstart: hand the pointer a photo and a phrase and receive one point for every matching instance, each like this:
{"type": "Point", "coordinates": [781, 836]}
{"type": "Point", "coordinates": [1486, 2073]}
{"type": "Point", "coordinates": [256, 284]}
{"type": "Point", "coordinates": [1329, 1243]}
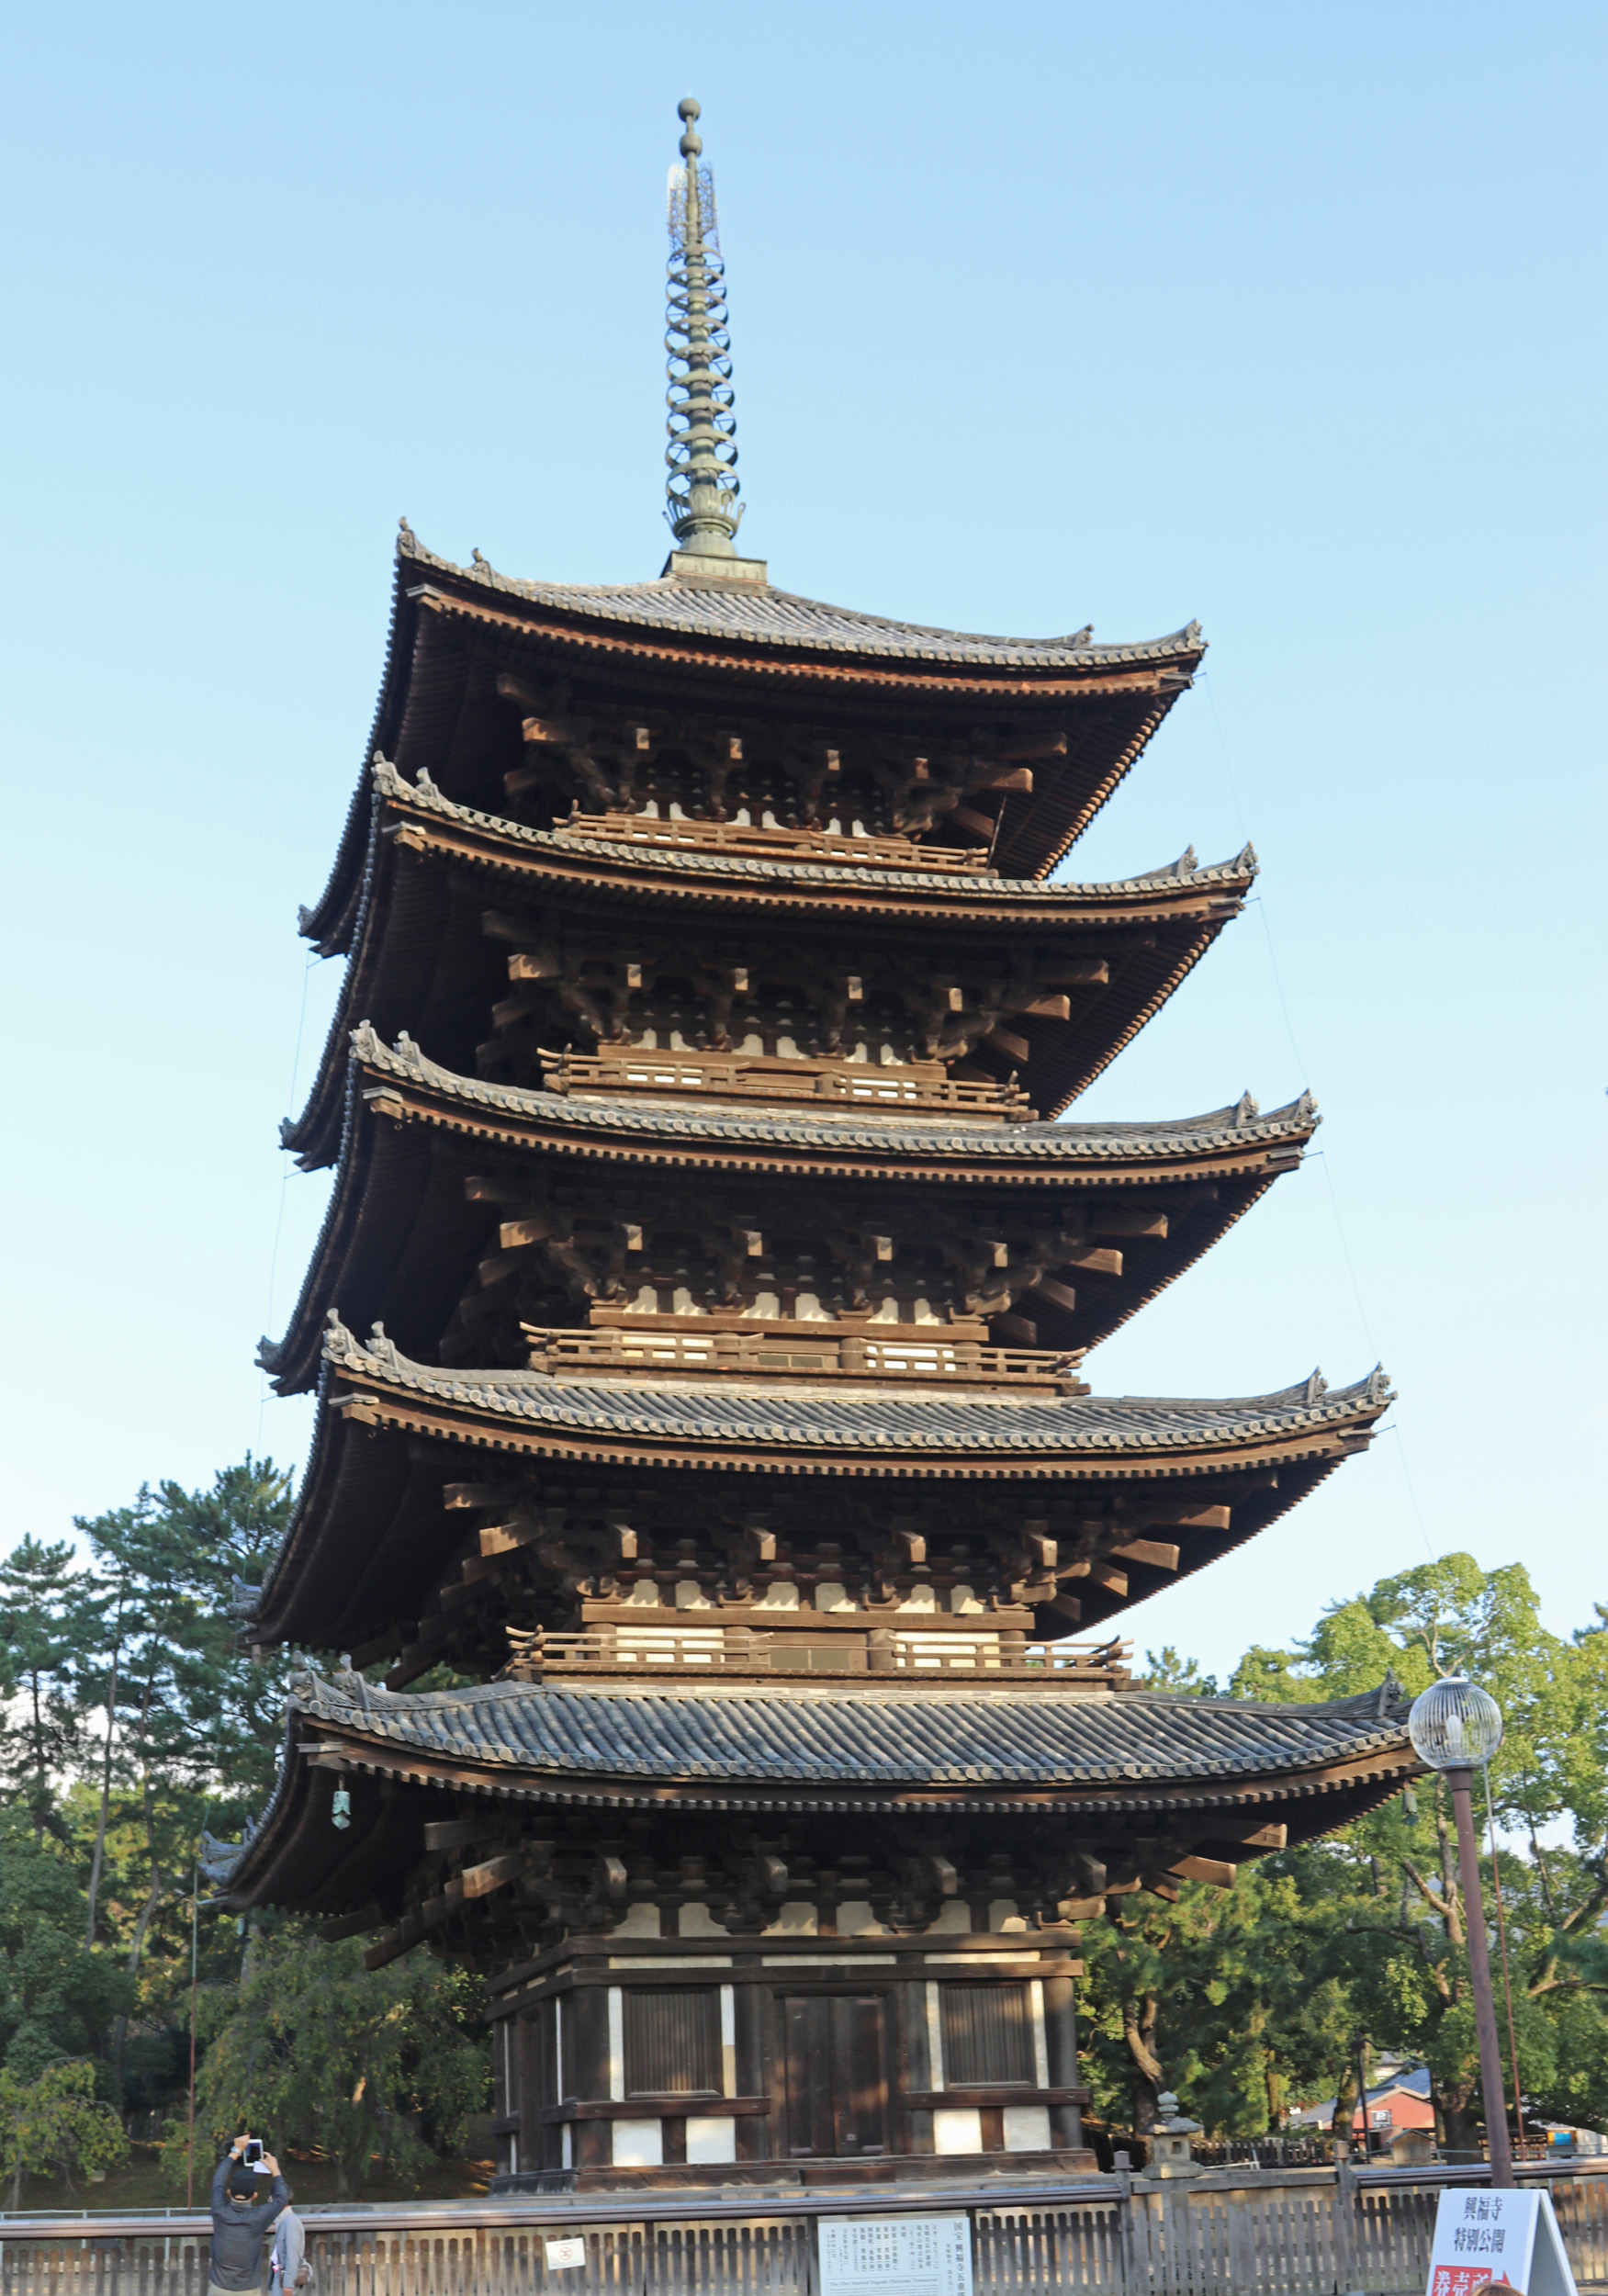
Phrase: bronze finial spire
{"type": "Point", "coordinates": [703, 509]}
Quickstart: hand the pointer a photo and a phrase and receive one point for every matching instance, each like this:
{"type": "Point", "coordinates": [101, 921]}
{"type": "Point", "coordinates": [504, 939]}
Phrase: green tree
{"type": "Point", "coordinates": [1215, 1996]}
{"type": "Point", "coordinates": [53, 2124]}
{"type": "Point", "coordinates": [1164, 1670]}
{"type": "Point", "coordinates": [56, 2000]}
{"type": "Point", "coordinates": [326, 2054]}
{"type": "Point", "coordinates": [41, 1624]}
{"type": "Point", "coordinates": [1387, 1917]}
{"type": "Point", "coordinates": [196, 1720]}
{"type": "Point", "coordinates": [1251, 1999]}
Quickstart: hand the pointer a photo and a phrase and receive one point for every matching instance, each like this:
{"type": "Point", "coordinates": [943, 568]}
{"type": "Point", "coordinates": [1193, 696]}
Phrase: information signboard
{"type": "Point", "coordinates": [1500, 2240]}
{"type": "Point", "coordinates": [896, 2255]}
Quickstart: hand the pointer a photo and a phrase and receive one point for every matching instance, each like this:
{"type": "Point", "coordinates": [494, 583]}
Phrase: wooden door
{"type": "Point", "coordinates": [836, 2086]}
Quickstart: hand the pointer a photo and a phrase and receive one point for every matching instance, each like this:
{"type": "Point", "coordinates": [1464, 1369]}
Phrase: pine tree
{"type": "Point", "coordinates": [42, 1623]}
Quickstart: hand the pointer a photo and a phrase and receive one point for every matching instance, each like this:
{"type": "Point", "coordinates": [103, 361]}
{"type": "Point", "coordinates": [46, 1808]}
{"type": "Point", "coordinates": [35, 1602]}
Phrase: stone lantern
{"type": "Point", "coordinates": [1171, 2152]}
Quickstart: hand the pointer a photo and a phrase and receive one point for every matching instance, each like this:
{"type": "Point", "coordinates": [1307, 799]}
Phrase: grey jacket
{"type": "Point", "coordinates": [287, 2254]}
{"type": "Point", "coordinates": [236, 2259]}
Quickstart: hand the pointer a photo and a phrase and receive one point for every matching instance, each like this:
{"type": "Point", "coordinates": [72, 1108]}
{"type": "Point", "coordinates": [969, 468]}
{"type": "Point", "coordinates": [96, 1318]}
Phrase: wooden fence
{"type": "Point", "coordinates": [1272, 2233]}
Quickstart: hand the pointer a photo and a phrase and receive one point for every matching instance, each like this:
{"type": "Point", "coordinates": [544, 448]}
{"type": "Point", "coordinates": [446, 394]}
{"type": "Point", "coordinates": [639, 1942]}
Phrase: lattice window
{"type": "Point", "coordinates": [672, 2042]}
{"type": "Point", "coordinates": [987, 2035]}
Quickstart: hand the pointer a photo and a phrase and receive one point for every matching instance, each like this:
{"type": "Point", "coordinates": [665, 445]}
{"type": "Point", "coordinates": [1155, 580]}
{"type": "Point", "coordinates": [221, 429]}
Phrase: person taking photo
{"type": "Point", "coordinates": [242, 2213]}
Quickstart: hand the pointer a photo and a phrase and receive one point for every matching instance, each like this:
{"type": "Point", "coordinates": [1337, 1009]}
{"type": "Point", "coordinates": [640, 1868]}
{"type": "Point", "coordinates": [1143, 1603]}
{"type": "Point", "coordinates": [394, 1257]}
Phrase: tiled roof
{"type": "Point", "coordinates": [864, 1423]}
{"type": "Point", "coordinates": [925, 1735]}
{"type": "Point", "coordinates": [941, 885]}
{"type": "Point", "coordinates": [1240, 1126]}
{"type": "Point", "coordinates": [759, 616]}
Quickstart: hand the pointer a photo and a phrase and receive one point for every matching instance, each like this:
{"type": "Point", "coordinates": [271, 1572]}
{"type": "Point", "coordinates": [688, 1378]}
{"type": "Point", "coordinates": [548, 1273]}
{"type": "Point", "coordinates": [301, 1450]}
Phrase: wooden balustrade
{"type": "Point", "coordinates": [803, 1642]}
{"type": "Point", "coordinates": [799, 1349]}
{"type": "Point", "coordinates": [756, 842]}
{"type": "Point", "coordinates": [1288, 2231]}
{"type": "Point", "coordinates": [917, 1088]}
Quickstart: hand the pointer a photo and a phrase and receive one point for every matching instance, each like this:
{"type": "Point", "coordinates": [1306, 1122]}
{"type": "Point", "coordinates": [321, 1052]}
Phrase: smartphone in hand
{"type": "Point", "coordinates": [253, 2156]}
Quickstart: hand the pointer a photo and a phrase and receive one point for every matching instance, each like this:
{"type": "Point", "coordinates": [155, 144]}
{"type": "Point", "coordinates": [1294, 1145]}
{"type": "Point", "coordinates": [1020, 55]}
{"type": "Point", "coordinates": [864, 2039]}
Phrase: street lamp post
{"type": "Point", "coordinates": [1455, 1728]}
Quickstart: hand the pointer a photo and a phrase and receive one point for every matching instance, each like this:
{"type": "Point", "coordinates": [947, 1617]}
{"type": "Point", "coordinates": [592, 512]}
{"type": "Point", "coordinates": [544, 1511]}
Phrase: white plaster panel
{"type": "Point", "coordinates": [694, 1920]}
{"type": "Point", "coordinates": [1027, 2128]}
{"type": "Point", "coordinates": [639, 2143]}
{"type": "Point", "coordinates": [954, 1920]}
{"type": "Point", "coordinates": [729, 2047]}
{"type": "Point", "coordinates": [616, 2043]}
{"type": "Point", "coordinates": [795, 1920]}
{"type": "Point", "coordinates": [640, 1922]}
{"type": "Point", "coordinates": [957, 2128]}
{"type": "Point", "coordinates": [711, 2139]}
{"type": "Point", "coordinates": [855, 1919]}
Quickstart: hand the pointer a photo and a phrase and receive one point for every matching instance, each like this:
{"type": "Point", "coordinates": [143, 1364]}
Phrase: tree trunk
{"type": "Point", "coordinates": [153, 1899]}
{"type": "Point", "coordinates": [1345, 2102]}
{"type": "Point", "coordinates": [1458, 2119]}
{"type": "Point", "coordinates": [1139, 2030]}
{"type": "Point", "coordinates": [106, 1796]}
{"type": "Point", "coordinates": [42, 1788]}
{"type": "Point", "coordinates": [154, 1895]}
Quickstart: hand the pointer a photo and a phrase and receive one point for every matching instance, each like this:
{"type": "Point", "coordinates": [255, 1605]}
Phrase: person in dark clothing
{"type": "Point", "coordinates": [242, 2213]}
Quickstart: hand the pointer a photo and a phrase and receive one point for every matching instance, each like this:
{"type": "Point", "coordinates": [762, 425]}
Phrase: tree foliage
{"type": "Point", "coordinates": [377, 2068]}
{"type": "Point", "coordinates": [1251, 1999]}
{"type": "Point", "coordinates": [54, 2123]}
{"type": "Point", "coordinates": [56, 2000]}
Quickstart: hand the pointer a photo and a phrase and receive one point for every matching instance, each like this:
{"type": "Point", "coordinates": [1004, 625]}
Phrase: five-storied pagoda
{"type": "Point", "coordinates": [698, 1325]}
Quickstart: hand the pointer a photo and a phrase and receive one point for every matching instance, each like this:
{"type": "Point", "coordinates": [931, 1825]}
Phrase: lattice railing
{"type": "Point", "coordinates": [794, 1646]}
{"type": "Point", "coordinates": [922, 1087]}
{"type": "Point", "coordinates": [811, 1351]}
{"type": "Point", "coordinates": [757, 842]}
{"type": "Point", "coordinates": [1295, 2233]}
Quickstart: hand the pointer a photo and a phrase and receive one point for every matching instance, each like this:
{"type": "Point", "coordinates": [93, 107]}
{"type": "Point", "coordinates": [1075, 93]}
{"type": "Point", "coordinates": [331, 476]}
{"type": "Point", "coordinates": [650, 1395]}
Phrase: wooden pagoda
{"type": "Point", "coordinates": [710, 1005]}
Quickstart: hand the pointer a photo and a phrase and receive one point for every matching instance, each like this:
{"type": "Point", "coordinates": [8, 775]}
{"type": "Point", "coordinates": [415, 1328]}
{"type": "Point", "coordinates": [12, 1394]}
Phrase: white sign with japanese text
{"type": "Point", "coordinates": [896, 2255]}
{"type": "Point", "coordinates": [1500, 2240]}
{"type": "Point", "coordinates": [564, 2255]}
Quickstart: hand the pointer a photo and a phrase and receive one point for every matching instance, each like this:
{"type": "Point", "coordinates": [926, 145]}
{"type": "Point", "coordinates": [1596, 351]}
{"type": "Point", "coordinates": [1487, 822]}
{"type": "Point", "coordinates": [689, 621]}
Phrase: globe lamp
{"type": "Point", "coordinates": [1455, 1726]}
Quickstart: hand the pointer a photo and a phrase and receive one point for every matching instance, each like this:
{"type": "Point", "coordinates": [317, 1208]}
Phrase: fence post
{"type": "Point", "coordinates": [1344, 2205]}
{"type": "Point", "coordinates": [1242, 2230]}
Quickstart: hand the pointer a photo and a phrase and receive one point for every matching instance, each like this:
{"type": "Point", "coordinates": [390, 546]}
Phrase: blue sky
{"type": "Point", "coordinates": [1289, 318]}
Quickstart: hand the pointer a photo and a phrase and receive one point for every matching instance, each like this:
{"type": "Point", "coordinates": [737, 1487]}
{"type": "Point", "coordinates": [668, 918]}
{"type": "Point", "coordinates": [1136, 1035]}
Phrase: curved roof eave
{"type": "Point", "coordinates": [759, 614]}
{"type": "Point", "coordinates": [943, 891]}
{"type": "Point", "coordinates": [904, 1435]}
{"type": "Point", "coordinates": [1239, 1125]}
{"type": "Point", "coordinates": [1095, 1756]}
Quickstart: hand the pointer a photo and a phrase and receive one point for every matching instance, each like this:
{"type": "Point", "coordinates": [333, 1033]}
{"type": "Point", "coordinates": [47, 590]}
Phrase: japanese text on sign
{"type": "Point", "coordinates": [899, 2255]}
